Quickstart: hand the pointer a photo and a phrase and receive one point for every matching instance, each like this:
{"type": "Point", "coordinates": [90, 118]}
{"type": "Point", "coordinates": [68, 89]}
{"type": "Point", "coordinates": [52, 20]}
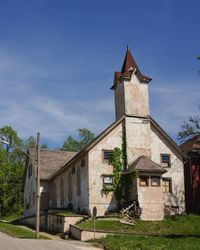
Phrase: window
{"type": "Point", "coordinates": [107, 154]}
{"type": "Point", "coordinates": [83, 163]}
{"type": "Point", "coordinates": [78, 179]}
{"type": "Point", "coordinates": [29, 203]}
{"type": "Point", "coordinates": [166, 184]}
{"type": "Point", "coordinates": [69, 187]}
{"type": "Point", "coordinates": [155, 181]}
{"type": "Point", "coordinates": [144, 181]}
{"type": "Point", "coordinates": [54, 195]}
{"type": "Point", "coordinates": [62, 193]}
{"type": "Point", "coordinates": [165, 160]}
{"type": "Point", "coordinates": [30, 171]}
{"type": "Point", "coordinates": [73, 171]}
{"type": "Point", "coordinates": [107, 180]}
{"type": "Point", "coordinates": [34, 198]}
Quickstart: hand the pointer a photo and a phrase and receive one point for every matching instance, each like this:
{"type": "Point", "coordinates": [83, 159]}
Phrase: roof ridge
{"type": "Point", "coordinates": [91, 144]}
{"type": "Point", "coordinates": [53, 150]}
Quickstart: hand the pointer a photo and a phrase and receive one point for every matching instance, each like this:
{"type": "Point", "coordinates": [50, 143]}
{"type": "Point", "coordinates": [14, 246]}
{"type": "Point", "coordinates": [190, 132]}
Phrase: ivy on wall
{"type": "Point", "coordinates": [124, 149]}
{"type": "Point", "coordinates": [122, 182]}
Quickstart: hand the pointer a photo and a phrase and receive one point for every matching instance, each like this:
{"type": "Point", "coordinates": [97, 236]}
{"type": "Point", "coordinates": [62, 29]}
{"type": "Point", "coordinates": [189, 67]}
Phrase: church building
{"type": "Point", "coordinates": [79, 179]}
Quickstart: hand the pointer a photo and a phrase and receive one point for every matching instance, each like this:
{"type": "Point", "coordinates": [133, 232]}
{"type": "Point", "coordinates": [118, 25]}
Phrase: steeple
{"type": "Point", "coordinates": [129, 63]}
{"type": "Point", "coordinates": [129, 66]}
{"type": "Point", "coordinates": [131, 89]}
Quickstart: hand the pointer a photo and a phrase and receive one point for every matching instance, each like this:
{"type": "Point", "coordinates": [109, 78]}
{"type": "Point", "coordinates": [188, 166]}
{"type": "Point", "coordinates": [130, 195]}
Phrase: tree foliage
{"type": "Point", "coordinates": [12, 162]}
{"type": "Point", "coordinates": [85, 137]}
{"type": "Point", "coordinates": [189, 128]}
{"type": "Point", "coordinates": [9, 135]}
{"type": "Point", "coordinates": [11, 172]}
{"type": "Point", "coordinates": [31, 143]}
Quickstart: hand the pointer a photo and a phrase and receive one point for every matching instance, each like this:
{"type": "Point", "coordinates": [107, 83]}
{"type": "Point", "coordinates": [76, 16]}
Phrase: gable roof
{"type": "Point", "coordinates": [129, 66]}
{"type": "Point", "coordinates": [191, 145]}
{"type": "Point", "coordinates": [50, 160]}
{"type": "Point", "coordinates": [144, 164]}
{"type": "Point", "coordinates": [90, 145]}
{"type": "Point", "coordinates": [167, 137]}
{"type": "Point", "coordinates": [108, 130]}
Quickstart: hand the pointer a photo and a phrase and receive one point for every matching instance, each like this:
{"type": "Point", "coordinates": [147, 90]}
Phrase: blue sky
{"type": "Point", "coordinates": [58, 57]}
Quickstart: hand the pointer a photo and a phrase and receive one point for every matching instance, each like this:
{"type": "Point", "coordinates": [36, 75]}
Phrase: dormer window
{"type": "Point", "coordinates": [165, 160]}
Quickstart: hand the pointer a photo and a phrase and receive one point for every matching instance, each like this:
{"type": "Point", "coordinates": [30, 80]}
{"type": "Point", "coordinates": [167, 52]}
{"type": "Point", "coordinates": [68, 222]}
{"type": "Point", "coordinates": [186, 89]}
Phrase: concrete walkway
{"type": "Point", "coordinates": [9, 243]}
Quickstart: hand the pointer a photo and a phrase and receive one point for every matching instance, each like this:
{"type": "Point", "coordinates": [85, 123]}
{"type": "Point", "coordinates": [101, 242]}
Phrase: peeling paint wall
{"type": "Point", "coordinates": [119, 100]}
{"type": "Point", "coordinates": [138, 138]}
{"type": "Point", "coordinates": [29, 189]}
{"type": "Point", "coordinates": [30, 193]}
{"type": "Point", "coordinates": [78, 201]}
{"type": "Point", "coordinates": [159, 145]}
{"type": "Point", "coordinates": [98, 167]}
{"type": "Point", "coordinates": [131, 98]}
{"type": "Point", "coordinates": [136, 97]}
{"type": "Point", "coordinates": [151, 201]}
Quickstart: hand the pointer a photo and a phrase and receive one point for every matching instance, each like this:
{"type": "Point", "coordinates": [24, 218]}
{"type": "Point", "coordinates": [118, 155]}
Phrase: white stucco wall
{"type": "Point", "coordinates": [136, 97]}
{"type": "Point", "coordinates": [29, 189]}
{"type": "Point", "coordinates": [98, 167]}
{"type": "Point", "coordinates": [159, 145]}
{"type": "Point", "coordinates": [119, 100]}
{"type": "Point", "coordinates": [77, 201]}
{"type": "Point", "coordinates": [137, 137]}
{"type": "Point", "coordinates": [30, 192]}
{"type": "Point", "coordinates": [131, 97]}
{"type": "Point", "coordinates": [150, 200]}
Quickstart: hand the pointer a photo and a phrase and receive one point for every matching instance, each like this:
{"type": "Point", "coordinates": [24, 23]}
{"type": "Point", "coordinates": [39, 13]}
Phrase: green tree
{"type": "Point", "coordinates": [189, 128]}
{"type": "Point", "coordinates": [85, 137]}
{"type": "Point", "coordinates": [70, 145]}
{"type": "Point", "coordinates": [11, 172]}
{"type": "Point", "coordinates": [9, 135]}
{"type": "Point", "coordinates": [31, 143]}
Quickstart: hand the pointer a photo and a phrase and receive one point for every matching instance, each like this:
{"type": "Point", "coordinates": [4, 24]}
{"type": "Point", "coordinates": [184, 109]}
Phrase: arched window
{"type": "Point", "coordinates": [62, 193]}
{"type": "Point", "coordinates": [54, 195]}
{"type": "Point", "coordinates": [69, 187]}
{"type": "Point", "coordinates": [78, 180]}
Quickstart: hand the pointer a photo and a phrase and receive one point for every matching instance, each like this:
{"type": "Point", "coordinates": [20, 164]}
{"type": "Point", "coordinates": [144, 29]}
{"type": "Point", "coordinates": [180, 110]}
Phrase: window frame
{"type": "Point", "coordinates": [156, 177]}
{"type": "Point", "coordinates": [107, 184]}
{"type": "Point", "coordinates": [170, 185]}
{"type": "Point", "coordinates": [106, 160]}
{"type": "Point", "coordinates": [147, 182]}
{"type": "Point", "coordinates": [165, 163]}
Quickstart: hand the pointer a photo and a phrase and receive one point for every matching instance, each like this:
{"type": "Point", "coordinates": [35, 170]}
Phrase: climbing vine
{"type": "Point", "coordinates": [124, 149]}
{"type": "Point", "coordinates": [122, 180]}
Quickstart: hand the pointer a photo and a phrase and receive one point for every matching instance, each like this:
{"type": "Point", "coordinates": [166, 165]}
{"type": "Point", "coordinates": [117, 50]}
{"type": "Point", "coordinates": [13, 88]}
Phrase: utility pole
{"type": "Point", "coordinates": [37, 235]}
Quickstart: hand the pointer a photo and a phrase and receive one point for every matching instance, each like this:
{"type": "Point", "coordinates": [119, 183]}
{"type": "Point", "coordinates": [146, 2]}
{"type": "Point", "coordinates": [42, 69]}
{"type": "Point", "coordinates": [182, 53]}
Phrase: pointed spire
{"type": "Point", "coordinates": [129, 63]}
{"type": "Point", "coordinates": [129, 66]}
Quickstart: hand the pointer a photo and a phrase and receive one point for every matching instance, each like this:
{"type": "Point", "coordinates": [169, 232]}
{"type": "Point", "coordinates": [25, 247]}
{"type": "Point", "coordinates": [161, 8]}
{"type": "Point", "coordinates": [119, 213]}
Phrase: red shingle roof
{"type": "Point", "coordinates": [129, 65]}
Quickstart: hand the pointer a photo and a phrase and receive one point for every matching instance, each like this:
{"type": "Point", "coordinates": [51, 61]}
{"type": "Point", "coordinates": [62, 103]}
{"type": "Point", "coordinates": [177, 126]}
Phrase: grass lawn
{"type": "Point", "coordinates": [116, 242]}
{"type": "Point", "coordinates": [174, 225]}
{"type": "Point", "coordinates": [16, 231]}
{"type": "Point", "coordinates": [11, 217]}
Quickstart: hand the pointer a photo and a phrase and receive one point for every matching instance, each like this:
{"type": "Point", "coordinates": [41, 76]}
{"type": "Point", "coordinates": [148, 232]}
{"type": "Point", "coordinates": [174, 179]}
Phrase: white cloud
{"type": "Point", "coordinates": [32, 99]}
{"type": "Point", "coordinates": [28, 107]}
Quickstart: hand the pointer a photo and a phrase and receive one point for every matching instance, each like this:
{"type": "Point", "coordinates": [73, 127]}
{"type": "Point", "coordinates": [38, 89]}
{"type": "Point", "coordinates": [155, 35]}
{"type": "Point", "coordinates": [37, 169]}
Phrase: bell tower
{"type": "Point", "coordinates": [131, 89]}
